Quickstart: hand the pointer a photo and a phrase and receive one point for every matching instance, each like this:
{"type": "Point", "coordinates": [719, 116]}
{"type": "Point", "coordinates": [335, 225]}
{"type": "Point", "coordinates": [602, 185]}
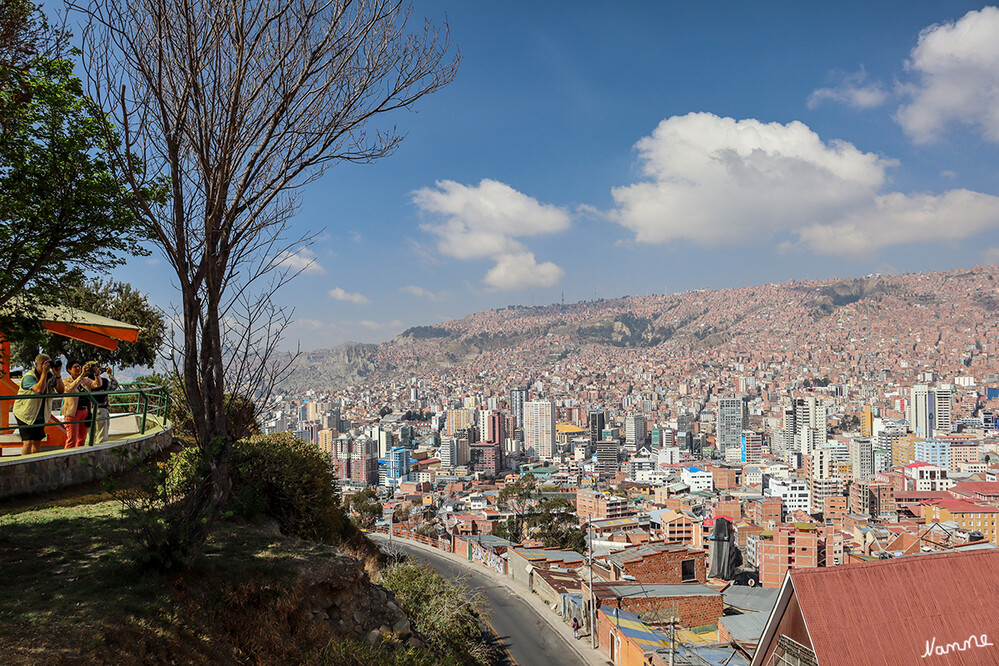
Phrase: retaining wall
{"type": "Point", "coordinates": [70, 467]}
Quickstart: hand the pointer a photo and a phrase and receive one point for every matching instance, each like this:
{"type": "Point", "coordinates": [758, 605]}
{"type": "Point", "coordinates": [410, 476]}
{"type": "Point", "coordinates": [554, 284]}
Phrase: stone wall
{"type": "Point", "coordinates": [70, 467]}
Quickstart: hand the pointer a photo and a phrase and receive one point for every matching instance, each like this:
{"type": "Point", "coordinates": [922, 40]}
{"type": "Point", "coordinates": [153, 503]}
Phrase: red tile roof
{"type": "Point", "coordinates": [890, 611]}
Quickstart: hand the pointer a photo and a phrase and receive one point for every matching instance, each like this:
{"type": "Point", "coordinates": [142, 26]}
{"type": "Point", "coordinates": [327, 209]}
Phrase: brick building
{"type": "Point", "coordinates": [794, 547]}
{"type": "Point", "coordinates": [658, 562]}
{"type": "Point", "coordinates": [598, 505]}
{"type": "Point", "coordinates": [691, 605]}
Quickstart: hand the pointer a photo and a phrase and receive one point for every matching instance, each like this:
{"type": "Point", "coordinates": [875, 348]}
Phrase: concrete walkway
{"type": "Point", "coordinates": [591, 656]}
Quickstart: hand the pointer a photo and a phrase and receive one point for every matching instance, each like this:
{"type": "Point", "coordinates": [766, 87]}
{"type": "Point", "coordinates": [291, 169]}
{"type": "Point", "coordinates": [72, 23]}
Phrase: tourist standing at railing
{"type": "Point", "coordinates": [76, 408]}
{"type": "Point", "coordinates": [31, 413]}
{"type": "Point", "coordinates": [103, 402]}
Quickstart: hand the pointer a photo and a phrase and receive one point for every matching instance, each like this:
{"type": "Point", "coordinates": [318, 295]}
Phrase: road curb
{"type": "Point", "coordinates": [586, 653]}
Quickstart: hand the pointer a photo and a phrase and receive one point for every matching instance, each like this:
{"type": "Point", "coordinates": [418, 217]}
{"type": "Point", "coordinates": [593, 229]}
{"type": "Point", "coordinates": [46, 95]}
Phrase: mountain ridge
{"type": "Point", "coordinates": [694, 320]}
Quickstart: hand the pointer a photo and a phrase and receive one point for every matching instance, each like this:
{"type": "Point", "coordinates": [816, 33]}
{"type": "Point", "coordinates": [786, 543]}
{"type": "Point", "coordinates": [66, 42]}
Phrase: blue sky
{"type": "Point", "coordinates": [604, 149]}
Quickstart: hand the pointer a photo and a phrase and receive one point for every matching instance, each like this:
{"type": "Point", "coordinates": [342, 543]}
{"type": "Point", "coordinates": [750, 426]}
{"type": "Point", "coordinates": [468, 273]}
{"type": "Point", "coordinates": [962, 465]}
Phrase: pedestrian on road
{"type": "Point", "coordinates": [575, 628]}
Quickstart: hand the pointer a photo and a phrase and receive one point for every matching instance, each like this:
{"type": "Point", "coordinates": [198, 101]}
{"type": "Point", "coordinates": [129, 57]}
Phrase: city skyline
{"type": "Point", "coordinates": [655, 150]}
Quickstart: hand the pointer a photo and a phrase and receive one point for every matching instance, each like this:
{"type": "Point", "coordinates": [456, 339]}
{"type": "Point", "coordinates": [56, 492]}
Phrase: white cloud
{"type": "Point", "coordinates": [896, 219]}
{"type": "Point", "coordinates": [716, 180]}
{"type": "Point", "coordinates": [522, 271]}
{"type": "Point", "coordinates": [853, 90]}
{"type": "Point", "coordinates": [341, 294]}
{"type": "Point", "coordinates": [303, 261]}
{"type": "Point", "coordinates": [379, 326]}
{"type": "Point", "coordinates": [419, 292]}
{"type": "Point", "coordinates": [486, 221]}
{"type": "Point", "coordinates": [957, 66]}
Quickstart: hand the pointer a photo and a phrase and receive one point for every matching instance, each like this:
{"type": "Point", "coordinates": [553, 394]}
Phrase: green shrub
{"type": "Point", "coordinates": [443, 612]}
{"type": "Point", "coordinates": [279, 476]}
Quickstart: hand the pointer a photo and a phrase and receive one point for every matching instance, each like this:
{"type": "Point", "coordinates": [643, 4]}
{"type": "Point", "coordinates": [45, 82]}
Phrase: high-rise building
{"type": "Point", "coordinates": [596, 423]}
{"type": "Point", "coordinates": [810, 424]}
{"type": "Point", "coordinates": [518, 396]}
{"type": "Point", "coordinates": [539, 428]}
{"type": "Point", "coordinates": [449, 452]}
{"type": "Point", "coordinates": [364, 461]}
{"type": "Point", "coordinates": [634, 431]}
{"type": "Point", "coordinates": [944, 399]}
{"type": "Point", "coordinates": [920, 410]}
{"type": "Point", "coordinates": [862, 458]}
{"type": "Point", "coordinates": [752, 446]}
{"type": "Point", "coordinates": [497, 428]}
{"type": "Point", "coordinates": [732, 420]}
{"type": "Point", "coordinates": [397, 465]}
{"type": "Point", "coordinates": [457, 419]}
{"type": "Point", "coordinates": [607, 461]}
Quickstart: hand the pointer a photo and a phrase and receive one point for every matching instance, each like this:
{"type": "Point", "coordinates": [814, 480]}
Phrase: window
{"type": "Point", "coordinates": [688, 571]}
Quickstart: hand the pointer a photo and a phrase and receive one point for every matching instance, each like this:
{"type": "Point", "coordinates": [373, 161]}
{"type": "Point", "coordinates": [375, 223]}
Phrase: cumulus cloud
{"type": "Point", "coordinates": [303, 261]}
{"type": "Point", "coordinates": [715, 180]}
{"type": "Point", "coordinates": [896, 219]}
{"type": "Point", "coordinates": [341, 294]}
{"type": "Point", "coordinates": [957, 67]}
{"type": "Point", "coordinates": [853, 90]}
{"type": "Point", "coordinates": [486, 221]}
{"type": "Point", "coordinates": [419, 292]}
{"type": "Point", "coordinates": [522, 271]}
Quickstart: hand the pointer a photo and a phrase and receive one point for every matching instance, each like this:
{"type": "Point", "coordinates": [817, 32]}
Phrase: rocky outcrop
{"type": "Point", "coordinates": [338, 593]}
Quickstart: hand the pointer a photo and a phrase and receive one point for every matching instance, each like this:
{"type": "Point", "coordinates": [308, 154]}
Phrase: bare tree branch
{"type": "Point", "coordinates": [232, 106]}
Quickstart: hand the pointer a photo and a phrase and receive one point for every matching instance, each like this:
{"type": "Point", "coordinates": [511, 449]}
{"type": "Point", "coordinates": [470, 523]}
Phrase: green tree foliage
{"type": "Point", "coordinates": [365, 505]}
{"type": "Point", "coordinates": [518, 496]}
{"type": "Point", "coordinates": [116, 300]}
{"type": "Point", "coordinates": [551, 520]}
{"type": "Point", "coordinates": [62, 211]}
{"type": "Point", "coordinates": [441, 611]}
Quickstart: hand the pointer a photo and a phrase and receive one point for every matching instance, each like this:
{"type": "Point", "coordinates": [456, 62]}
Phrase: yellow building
{"type": "Point", "coordinates": [968, 515]}
{"type": "Point", "coordinates": [566, 432]}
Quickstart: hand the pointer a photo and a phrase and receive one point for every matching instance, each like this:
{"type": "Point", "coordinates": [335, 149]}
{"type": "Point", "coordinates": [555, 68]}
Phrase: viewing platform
{"type": "Point", "coordinates": [137, 428]}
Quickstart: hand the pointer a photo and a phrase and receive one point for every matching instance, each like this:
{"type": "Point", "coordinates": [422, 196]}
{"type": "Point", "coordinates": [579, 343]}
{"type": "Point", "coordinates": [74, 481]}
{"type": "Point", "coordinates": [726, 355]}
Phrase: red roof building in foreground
{"type": "Point", "coordinates": [932, 610]}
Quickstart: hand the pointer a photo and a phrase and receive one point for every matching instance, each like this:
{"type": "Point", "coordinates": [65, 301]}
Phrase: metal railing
{"type": "Point", "coordinates": [137, 399]}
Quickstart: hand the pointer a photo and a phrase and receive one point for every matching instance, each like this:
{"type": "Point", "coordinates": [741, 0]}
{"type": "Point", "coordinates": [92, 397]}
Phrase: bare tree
{"type": "Point", "coordinates": [233, 106]}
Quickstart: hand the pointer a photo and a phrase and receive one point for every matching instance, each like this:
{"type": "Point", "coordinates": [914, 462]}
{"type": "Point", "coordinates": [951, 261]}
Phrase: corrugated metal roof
{"type": "Point", "coordinates": [748, 598]}
{"type": "Point", "coordinates": [626, 589]}
{"type": "Point", "coordinates": [893, 611]}
{"type": "Point", "coordinates": [747, 627]}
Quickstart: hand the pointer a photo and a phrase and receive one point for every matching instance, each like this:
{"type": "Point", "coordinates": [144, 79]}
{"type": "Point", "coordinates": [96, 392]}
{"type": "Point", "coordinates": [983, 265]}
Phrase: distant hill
{"type": "Point", "coordinates": [695, 320]}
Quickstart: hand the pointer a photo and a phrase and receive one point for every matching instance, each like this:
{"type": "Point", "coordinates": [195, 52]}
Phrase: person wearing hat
{"type": "Point", "coordinates": [31, 407]}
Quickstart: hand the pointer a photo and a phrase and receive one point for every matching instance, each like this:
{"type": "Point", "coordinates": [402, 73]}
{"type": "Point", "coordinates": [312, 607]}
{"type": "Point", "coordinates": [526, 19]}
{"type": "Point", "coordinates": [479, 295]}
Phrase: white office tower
{"type": "Point", "coordinates": [732, 420]}
{"type": "Point", "coordinates": [919, 410]}
{"type": "Point", "coordinates": [811, 426]}
{"type": "Point", "coordinates": [539, 429]}
{"type": "Point", "coordinates": [383, 437]}
{"type": "Point", "coordinates": [862, 459]}
{"type": "Point", "coordinates": [449, 452]}
{"type": "Point", "coordinates": [634, 431]}
{"type": "Point", "coordinates": [668, 455]}
{"type": "Point", "coordinates": [944, 395]}
{"type": "Point", "coordinates": [482, 420]}
{"type": "Point", "coordinates": [518, 396]}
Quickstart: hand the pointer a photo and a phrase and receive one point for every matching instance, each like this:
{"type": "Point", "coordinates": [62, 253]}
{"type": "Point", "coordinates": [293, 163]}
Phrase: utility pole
{"type": "Point", "coordinates": [593, 610]}
{"type": "Point", "coordinates": [672, 641]}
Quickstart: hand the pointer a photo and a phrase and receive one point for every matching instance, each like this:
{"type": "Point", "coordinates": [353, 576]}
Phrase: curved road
{"type": "Point", "coordinates": [525, 638]}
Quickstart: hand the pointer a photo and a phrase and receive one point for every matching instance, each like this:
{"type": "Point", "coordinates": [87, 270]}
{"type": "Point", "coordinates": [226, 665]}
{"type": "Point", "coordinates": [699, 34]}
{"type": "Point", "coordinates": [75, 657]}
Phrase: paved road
{"type": "Point", "coordinates": [528, 639]}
